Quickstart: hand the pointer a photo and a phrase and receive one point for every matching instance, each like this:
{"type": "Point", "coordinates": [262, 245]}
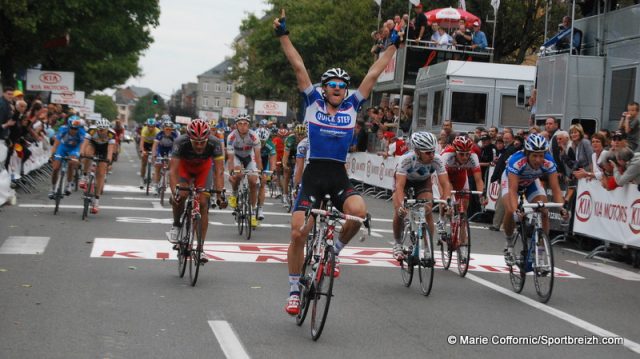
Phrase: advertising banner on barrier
{"type": "Point", "coordinates": [493, 191]}
{"type": "Point", "coordinates": [371, 169]}
{"type": "Point", "coordinates": [270, 108]}
{"type": "Point", "coordinates": [75, 98]}
{"type": "Point", "coordinates": [209, 115]}
{"type": "Point", "coordinates": [50, 80]}
{"type": "Point", "coordinates": [613, 216]}
{"type": "Point", "coordinates": [233, 112]}
{"type": "Point", "coordinates": [389, 72]}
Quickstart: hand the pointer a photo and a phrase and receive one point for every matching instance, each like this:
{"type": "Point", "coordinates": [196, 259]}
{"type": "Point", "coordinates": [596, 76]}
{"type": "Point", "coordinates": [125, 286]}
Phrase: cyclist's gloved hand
{"type": "Point", "coordinates": [402, 211]}
{"type": "Point", "coordinates": [222, 202]}
{"type": "Point", "coordinates": [280, 26]}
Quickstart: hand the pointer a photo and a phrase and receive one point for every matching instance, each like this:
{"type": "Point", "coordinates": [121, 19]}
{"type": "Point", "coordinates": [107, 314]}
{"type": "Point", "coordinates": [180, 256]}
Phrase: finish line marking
{"type": "Point", "coordinates": [129, 248]}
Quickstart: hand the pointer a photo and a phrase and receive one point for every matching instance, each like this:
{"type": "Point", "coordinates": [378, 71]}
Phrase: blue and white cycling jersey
{"type": "Point", "coordinates": [68, 140]}
{"type": "Point", "coordinates": [165, 143]}
{"type": "Point", "coordinates": [409, 165]}
{"type": "Point", "coordinates": [519, 166]}
{"type": "Point", "coordinates": [302, 149]}
{"type": "Point", "coordinates": [330, 136]}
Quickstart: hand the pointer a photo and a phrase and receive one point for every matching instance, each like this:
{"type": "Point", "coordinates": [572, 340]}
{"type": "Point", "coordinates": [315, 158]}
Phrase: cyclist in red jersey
{"type": "Point", "coordinates": [459, 161]}
{"type": "Point", "coordinates": [193, 155]}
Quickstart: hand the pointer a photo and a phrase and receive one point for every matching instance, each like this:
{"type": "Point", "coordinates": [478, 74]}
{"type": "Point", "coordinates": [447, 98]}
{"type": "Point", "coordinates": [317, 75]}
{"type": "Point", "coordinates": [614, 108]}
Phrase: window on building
{"type": "Point", "coordinates": [623, 84]}
{"type": "Point", "coordinates": [227, 102]}
{"type": "Point", "coordinates": [217, 87]}
{"type": "Point", "coordinates": [217, 102]}
{"type": "Point", "coordinates": [468, 107]}
{"type": "Point", "coordinates": [438, 106]}
{"type": "Point", "coordinates": [206, 102]}
{"type": "Point", "coordinates": [229, 88]}
{"type": "Point", "coordinates": [422, 111]}
{"type": "Point", "coordinates": [510, 115]}
{"type": "Point", "coordinates": [205, 86]}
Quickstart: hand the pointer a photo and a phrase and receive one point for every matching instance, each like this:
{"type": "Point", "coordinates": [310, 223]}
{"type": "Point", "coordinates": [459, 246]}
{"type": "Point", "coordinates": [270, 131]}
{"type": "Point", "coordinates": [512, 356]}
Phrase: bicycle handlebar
{"type": "Point", "coordinates": [538, 205]}
{"type": "Point", "coordinates": [201, 190]}
{"type": "Point", "coordinates": [467, 192]}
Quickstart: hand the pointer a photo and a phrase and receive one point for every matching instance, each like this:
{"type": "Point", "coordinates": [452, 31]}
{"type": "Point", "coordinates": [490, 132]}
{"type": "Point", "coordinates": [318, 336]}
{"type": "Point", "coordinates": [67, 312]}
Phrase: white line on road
{"type": "Point", "coordinates": [606, 260]}
{"type": "Point", "coordinates": [582, 324]}
{"type": "Point", "coordinates": [607, 269]}
{"type": "Point", "coordinates": [229, 342]}
{"type": "Point", "coordinates": [156, 205]}
{"type": "Point", "coordinates": [24, 245]}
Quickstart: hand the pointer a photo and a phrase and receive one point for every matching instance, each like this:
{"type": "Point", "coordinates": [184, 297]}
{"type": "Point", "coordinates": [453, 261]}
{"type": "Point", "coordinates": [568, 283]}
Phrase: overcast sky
{"type": "Point", "coordinates": [193, 36]}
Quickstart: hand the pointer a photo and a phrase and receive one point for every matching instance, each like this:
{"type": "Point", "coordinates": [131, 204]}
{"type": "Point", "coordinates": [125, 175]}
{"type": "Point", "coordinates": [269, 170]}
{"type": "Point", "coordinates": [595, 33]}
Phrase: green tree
{"type": "Point", "coordinates": [106, 38]}
{"type": "Point", "coordinates": [145, 108]}
{"type": "Point", "coordinates": [105, 106]}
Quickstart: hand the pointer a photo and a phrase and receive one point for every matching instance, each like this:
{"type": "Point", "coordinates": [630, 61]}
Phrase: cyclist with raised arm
{"type": "Point", "coordinates": [459, 161]}
{"type": "Point", "coordinates": [147, 136]}
{"type": "Point", "coordinates": [101, 143]}
{"type": "Point", "coordinates": [330, 116]}
{"type": "Point", "coordinates": [162, 146]}
{"type": "Point", "coordinates": [268, 155]}
{"type": "Point", "coordinates": [193, 155]}
{"type": "Point", "coordinates": [67, 143]}
{"type": "Point", "coordinates": [243, 148]}
{"type": "Point", "coordinates": [289, 155]}
{"type": "Point", "coordinates": [523, 172]}
{"type": "Point", "coordinates": [414, 171]}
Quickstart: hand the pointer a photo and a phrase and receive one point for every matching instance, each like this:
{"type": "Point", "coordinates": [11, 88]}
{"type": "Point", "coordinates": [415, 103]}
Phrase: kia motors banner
{"type": "Point", "coordinates": [493, 192]}
{"type": "Point", "coordinates": [612, 216]}
{"type": "Point", "coordinates": [72, 98]}
{"type": "Point", "coordinates": [233, 112]}
{"type": "Point", "coordinates": [270, 108]}
{"type": "Point", "coordinates": [183, 120]}
{"type": "Point", "coordinates": [209, 115]}
{"type": "Point", "coordinates": [58, 81]}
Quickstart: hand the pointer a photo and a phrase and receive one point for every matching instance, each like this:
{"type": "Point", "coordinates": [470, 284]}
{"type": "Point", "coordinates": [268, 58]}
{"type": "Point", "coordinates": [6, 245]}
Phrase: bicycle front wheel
{"type": "Point", "coordinates": [195, 246]}
{"type": "Point", "coordinates": [239, 212]}
{"type": "Point", "coordinates": [163, 187]}
{"type": "Point", "coordinates": [445, 246]}
{"type": "Point", "coordinates": [183, 245]}
{"type": "Point", "coordinates": [323, 285]}
{"type": "Point", "coordinates": [517, 271]}
{"type": "Point", "coordinates": [58, 193]}
{"type": "Point", "coordinates": [464, 250]}
{"type": "Point", "coordinates": [543, 271]}
{"type": "Point", "coordinates": [147, 178]}
{"type": "Point", "coordinates": [306, 279]}
{"type": "Point", "coordinates": [426, 263]}
{"type": "Point", "coordinates": [247, 217]}
{"type": "Point", "coordinates": [406, 264]}
{"type": "Point", "coordinates": [88, 195]}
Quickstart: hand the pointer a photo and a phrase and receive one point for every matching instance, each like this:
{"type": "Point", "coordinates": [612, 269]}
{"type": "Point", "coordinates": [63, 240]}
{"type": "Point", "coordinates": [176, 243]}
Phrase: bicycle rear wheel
{"type": "Point", "coordinates": [247, 217]}
{"type": "Point", "coordinates": [543, 269]}
{"type": "Point", "coordinates": [445, 247]}
{"type": "Point", "coordinates": [517, 272]}
{"type": "Point", "coordinates": [163, 187]}
{"type": "Point", "coordinates": [147, 178]}
{"type": "Point", "coordinates": [306, 280]}
{"type": "Point", "coordinates": [323, 285]}
{"type": "Point", "coordinates": [195, 246]}
{"type": "Point", "coordinates": [464, 251]}
{"type": "Point", "coordinates": [239, 212]}
{"type": "Point", "coordinates": [406, 264]}
{"type": "Point", "coordinates": [425, 264]}
{"type": "Point", "coordinates": [76, 178]}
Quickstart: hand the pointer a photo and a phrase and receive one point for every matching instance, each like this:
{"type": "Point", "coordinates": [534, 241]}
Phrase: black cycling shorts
{"type": "Point", "coordinates": [147, 146]}
{"type": "Point", "coordinates": [322, 177]}
{"type": "Point", "coordinates": [100, 150]}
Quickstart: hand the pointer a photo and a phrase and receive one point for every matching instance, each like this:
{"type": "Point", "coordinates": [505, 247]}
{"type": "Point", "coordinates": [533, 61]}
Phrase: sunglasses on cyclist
{"type": "Point", "coordinates": [199, 142]}
{"type": "Point", "coordinates": [340, 85]}
{"type": "Point", "coordinates": [426, 152]}
{"type": "Point", "coordinates": [464, 154]}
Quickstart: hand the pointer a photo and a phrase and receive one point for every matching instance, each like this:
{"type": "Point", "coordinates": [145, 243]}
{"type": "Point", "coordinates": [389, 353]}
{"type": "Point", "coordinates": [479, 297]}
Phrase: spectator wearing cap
{"type": "Point", "coordinates": [420, 24]}
{"type": "Point", "coordinates": [478, 38]}
{"type": "Point", "coordinates": [630, 125]}
{"type": "Point", "coordinates": [18, 95]}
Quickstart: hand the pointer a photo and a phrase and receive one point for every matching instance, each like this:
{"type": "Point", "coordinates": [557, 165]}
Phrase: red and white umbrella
{"type": "Point", "coordinates": [449, 17]}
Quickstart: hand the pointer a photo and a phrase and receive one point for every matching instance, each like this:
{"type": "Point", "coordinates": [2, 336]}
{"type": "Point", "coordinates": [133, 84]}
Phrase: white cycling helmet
{"type": "Point", "coordinates": [335, 73]}
{"type": "Point", "coordinates": [424, 141]}
{"type": "Point", "coordinates": [102, 124]}
{"type": "Point", "coordinates": [536, 143]}
{"type": "Point", "coordinates": [263, 134]}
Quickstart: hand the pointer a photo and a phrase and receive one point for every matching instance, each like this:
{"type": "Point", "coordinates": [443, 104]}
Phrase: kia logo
{"type": "Point", "coordinates": [270, 106]}
{"type": "Point", "coordinates": [584, 203]}
{"type": "Point", "coordinates": [381, 174]}
{"type": "Point", "coordinates": [50, 78]}
{"type": "Point", "coordinates": [353, 165]}
{"type": "Point", "coordinates": [494, 188]}
{"type": "Point", "coordinates": [368, 168]}
{"type": "Point", "coordinates": [634, 222]}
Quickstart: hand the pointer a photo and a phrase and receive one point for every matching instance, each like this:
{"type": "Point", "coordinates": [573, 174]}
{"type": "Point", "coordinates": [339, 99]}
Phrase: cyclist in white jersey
{"type": "Point", "coordinates": [331, 117]}
{"type": "Point", "coordinates": [243, 148]}
{"type": "Point", "coordinates": [415, 169]}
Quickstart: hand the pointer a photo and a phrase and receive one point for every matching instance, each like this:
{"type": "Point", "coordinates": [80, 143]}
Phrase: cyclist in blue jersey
{"type": "Point", "coordinates": [67, 143]}
{"type": "Point", "coordinates": [162, 147]}
{"type": "Point", "coordinates": [330, 116]}
{"type": "Point", "coordinates": [523, 172]}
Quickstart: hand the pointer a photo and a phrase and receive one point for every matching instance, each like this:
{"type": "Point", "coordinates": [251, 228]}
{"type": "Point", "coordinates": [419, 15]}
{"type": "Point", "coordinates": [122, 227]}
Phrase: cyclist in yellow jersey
{"type": "Point", "coordinates": [147, 136]}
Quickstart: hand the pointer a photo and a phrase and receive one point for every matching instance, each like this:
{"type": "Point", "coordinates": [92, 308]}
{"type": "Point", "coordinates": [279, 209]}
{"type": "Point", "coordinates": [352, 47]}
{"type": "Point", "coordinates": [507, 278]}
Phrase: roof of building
{"type": "Point", "coordinates": [220, 69]}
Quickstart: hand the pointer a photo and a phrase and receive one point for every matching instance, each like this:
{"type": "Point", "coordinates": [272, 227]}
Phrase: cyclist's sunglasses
{"type": "Point", "coordinates": [426, 152]}
{"type": "Point", "coordinates": [464, 154]}
{"type": "Point", "coordinates": [199, 142]}
{"type": "Point", "coordinates": [334, 84]}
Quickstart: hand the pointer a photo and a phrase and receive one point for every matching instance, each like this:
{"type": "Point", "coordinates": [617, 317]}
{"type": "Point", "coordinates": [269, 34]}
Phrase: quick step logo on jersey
{"type": "Point", "coordinates": [277, 253]}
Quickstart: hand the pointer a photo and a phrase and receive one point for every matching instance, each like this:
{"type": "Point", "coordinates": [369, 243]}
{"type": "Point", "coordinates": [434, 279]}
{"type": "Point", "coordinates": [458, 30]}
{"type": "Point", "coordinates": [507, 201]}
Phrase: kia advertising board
{"type": "Point", "coordinates": [56, 81]}
{"type": "Point", "coordinates": [270, 108]}
{"type": "Point", "coordinates": [75, 98]}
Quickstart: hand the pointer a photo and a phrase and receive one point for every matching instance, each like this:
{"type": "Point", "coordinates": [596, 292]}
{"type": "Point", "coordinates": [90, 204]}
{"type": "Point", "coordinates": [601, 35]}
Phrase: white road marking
{"type": "Point", "coordinates": [250, 252]}
{"type": "Point", "coordinates": [606, 260]}
{"type": "Point", "coordinates": [582, 324]}
{"type": "Point", "coordinates": [229, 342]}
{"type": "Point", "coordinates": [121, 188]}
{"type": "Point", "coordinates": [610, 270]}
{"type": "Point", "coordinates": [24, 245]}
{"type": "Point", "coordinates": [136, 198]}
{"type": "Point", "coordinates": [156, 205]}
